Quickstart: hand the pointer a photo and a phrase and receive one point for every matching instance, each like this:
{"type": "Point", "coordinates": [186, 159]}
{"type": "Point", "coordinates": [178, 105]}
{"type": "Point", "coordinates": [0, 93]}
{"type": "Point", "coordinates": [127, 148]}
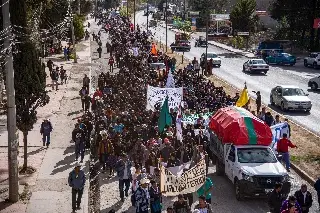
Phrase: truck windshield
{"type": "Point", "coordinates": [256, 155]}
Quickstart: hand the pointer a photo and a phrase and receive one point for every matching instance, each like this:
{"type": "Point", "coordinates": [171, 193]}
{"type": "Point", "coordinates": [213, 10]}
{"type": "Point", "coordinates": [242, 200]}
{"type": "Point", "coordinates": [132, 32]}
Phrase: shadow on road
{"type": "Point", "coordinates": [230, 55]}
{"type": "Point", "coordinates": [290, 113]}
{"type": "Point", "coordinates": [313, 91]}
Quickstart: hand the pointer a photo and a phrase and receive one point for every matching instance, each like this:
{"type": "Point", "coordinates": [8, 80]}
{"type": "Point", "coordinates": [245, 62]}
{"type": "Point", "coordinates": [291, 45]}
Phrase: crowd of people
{"type": "Point", "coordinates": [125, 136]}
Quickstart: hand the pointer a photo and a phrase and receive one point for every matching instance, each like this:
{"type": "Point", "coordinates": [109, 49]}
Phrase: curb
{"type": "Point", "coordinates": [303, 174]}
{"type": "Point", "coordinates": [296, 168]}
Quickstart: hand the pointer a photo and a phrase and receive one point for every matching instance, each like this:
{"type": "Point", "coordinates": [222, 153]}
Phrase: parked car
{"type": "Point", "coordinates": [255, 65]}
{"type": "Point", "coordinates": [290, 97]}
{"type": "Point", "coordinates": [312, 60]}
{"type": "Point", "coordinates": [216, 60]}
{"type": "Point", "coordinates": [314, 83]}
{"type": "Point", "coordinates": [281, 59]}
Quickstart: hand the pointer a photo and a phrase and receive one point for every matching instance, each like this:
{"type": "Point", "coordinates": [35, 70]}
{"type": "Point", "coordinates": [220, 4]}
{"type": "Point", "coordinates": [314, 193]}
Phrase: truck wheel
{"type": "Point", "coordinates": [219, 168]}
{"type": "Point", "coordinates": [239, 194]}
{"type": "Point", "coordinates": [314, 86]}
{"type": "Point", "coordinates": [315, 65]}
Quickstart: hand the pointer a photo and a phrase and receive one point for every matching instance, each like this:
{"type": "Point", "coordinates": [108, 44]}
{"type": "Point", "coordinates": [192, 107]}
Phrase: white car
{"type": "Point", "coordinates": [216, 60]}
{"type": "Point", "coordinates": [290, 97]}
{"type": "Point", "coordinates": [312, 60]}
{"type": "Point", "coordinates": [255, 65]}
{"type": "Point", "coordinates": [314, 83]}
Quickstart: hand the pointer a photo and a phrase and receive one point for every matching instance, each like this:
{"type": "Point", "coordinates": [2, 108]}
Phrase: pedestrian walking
{"type": "Point", "coordinates": [258, 101]}
{"type": "Point", "coordinates": [304, 198]}
{"type": "Point", "coordinates": [45, 130]}
{"type": "Point", "coordinates": [142, 197]}
{"type": "Point", "coordinates": [86, 82]}
{"type": "Point", "coordinates": [83, 92]}
{"type": "Point", "coordinates": [283, 149]}
{"type": "Point", "coordinates": [54, 78]}
{"type": "Point", "coordinates": [123, 168]}
{"type": "Point", "coordinates": [155, 198]}
{"type": "Point", "coordinates": [111, 62]}
{"type": "Point", "coordinates": [181, 205]}
{"type": "Point", "coordinates": [99, 50]}
{"type": "Point", "coordinates": [317, 188]}
{"type": "Point", "coordinates": [78, 136]}
{"type": "Point", "coordinates": [275, 199]}
{"type": "Point", "coordinates": [65, 53]}
{"type": "Point", "coordinates": [76, 180]}
{"type": "Point", "coordinates": [203, 206]}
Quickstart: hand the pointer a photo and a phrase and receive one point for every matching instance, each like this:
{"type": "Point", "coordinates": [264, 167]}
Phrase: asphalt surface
{"type": "Point", "coordinates": [231, 71]}
{"type": "Point", "coordinates": [223, 196]}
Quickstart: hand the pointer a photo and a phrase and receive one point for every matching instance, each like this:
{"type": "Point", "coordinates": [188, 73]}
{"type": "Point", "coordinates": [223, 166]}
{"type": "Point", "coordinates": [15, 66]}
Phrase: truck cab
{"type": "Point", "coordinates": [254, 170]}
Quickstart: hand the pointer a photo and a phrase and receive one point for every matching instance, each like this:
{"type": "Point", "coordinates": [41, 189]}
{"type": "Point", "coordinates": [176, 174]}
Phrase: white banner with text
{"type": "Point", "coordinates": [157, 95]}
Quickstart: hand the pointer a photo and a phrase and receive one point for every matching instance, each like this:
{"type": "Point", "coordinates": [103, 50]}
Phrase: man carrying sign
{"type": "Point", "coordinates": [283, 148]}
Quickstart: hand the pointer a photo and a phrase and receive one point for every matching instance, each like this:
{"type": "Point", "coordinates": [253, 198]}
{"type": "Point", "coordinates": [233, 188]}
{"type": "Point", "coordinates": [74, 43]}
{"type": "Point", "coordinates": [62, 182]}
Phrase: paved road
{"type": "Point", "coordinates": [232, 64]}
{"type": "Point", "coordinates": [231, 71]}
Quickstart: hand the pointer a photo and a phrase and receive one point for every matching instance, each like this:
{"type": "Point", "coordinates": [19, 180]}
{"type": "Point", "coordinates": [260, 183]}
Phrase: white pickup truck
{"type": "Point", "coordinates": [253, 169]}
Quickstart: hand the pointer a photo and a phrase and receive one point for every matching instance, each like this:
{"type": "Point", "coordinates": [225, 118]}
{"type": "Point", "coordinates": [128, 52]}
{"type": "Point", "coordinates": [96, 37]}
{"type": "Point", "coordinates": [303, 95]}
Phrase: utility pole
{"type": "Point", "coordinates": [207, 32]}
{"type": "Point", "coordinates": [13, 142]}
{"type": "Point", "coordinates": [166, 20]}
{"type": "Point", "coordinates": [79, 8]}
{"type": "Point", "coordinates": [73, 36]}
{"type": "Point", "coordinates": [128, 9]}
{"type": "Point", "coordinates": [134, 14]}
{"type": "Point", "coordinates": [96, 11]}
{"type": "Point", "coordinates": [147, 16]}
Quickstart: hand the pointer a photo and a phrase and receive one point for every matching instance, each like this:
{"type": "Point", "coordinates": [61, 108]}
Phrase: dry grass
{"type": "Point", "coordinates": [306, 156]}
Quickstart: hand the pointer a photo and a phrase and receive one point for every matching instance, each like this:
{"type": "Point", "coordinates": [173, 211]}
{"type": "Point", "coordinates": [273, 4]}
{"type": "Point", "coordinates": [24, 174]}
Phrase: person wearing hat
{"type": "Point", "coordinates": [142, 197]}
{"type": "Point", "coordinates": [123, 168]}
{"type": "Point", "coordinates": [76, 181]}
{"type": "Point", "coordinates": [155, 197]}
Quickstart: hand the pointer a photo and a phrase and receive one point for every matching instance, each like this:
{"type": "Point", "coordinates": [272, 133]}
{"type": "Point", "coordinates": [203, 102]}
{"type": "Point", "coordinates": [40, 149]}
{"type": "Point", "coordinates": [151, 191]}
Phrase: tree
{"type": "Point", "coordinates": [78, 26]}
{"type": "Point", "coordinates": [299, 16]}
{"type": "Point", "coordinates": [206, 7]}
{"type": "Point", "coordinates": [184, 26]}
{"type": "Point", "coordinates": [243, 17]}
{"type": "Point", "coordinates": [30, 77]}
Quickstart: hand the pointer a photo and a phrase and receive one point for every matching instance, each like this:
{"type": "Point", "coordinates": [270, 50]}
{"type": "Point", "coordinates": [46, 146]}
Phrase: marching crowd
{"type": "Point", "coordinates": [125, 137]}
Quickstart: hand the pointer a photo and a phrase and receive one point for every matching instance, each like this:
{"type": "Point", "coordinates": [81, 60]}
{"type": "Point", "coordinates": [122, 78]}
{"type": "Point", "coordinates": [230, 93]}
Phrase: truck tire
{"type": "Point", "coordinates": [219, 168]}
{"type": "Point", "coordinates": [238, 190]}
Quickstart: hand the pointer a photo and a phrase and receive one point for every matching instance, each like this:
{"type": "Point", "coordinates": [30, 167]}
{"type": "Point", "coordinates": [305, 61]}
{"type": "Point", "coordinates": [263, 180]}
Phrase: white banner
{"type": "Point", "coordinates": [277, 132]}
{"type": "Point", "coordinates": [189, 182]}
{"type": "Point", "coordinates": [177, 170]}
{"type": "Point", "coordinates": [157, 95]}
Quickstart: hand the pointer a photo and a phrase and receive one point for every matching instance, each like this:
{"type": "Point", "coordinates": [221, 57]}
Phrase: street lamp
{"type": "Point", "coordinates": [207, 32]}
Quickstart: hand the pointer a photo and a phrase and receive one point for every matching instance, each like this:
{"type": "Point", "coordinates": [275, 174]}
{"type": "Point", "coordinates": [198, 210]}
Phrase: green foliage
{"type": "Point", "coordinates": [243, 17]}
{"type": "Point", "coordinates": [184, 26]}
{"type": "Point", "coordinates": [206, 7]}
{"type": "Point", "coordinates": [30, 77]}
{"type": "Point", "coordinates": [78, 26]}
{"type": "Point", "coordinates": [238, 42]}
{"type": "Point", "coordinates": [296, 21]}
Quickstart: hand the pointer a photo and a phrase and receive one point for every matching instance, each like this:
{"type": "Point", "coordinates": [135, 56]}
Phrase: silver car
{"type": "Point", "coordinates": [255, 65]}
{"type": "Point", "coordinates": [290, 98]}
{"type": "Point", "coordinates": [216, 60]}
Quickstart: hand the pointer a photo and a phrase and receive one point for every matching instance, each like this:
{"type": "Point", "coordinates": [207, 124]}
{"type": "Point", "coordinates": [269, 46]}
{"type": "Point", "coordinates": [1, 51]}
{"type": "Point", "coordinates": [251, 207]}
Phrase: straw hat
{"type": "Point", "coordinates": [144, 181]}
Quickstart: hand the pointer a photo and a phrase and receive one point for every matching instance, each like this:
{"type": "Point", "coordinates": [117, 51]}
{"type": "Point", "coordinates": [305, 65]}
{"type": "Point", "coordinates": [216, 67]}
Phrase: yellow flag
{"type": "Point", "coordinates": [244, 98]}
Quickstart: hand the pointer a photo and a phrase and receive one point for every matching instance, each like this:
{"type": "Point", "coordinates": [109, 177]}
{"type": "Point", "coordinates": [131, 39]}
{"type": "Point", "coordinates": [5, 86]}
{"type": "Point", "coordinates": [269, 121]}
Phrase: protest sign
{"type": "Point", "coordinates": [177, 170]}
{"type": "Point", "coordinates": [157, 95]}
{"type": "Point", "coordinates": [192, 119]}
{"type": "Point", "coordinates": [190, 181]}
{"type": "Point", "coordinates": [277, 132]}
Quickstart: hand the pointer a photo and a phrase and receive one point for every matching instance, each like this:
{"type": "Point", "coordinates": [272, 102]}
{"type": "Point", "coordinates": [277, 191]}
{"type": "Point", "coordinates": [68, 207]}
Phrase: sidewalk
{"type": "Point", "coordinates": [48, 187]}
